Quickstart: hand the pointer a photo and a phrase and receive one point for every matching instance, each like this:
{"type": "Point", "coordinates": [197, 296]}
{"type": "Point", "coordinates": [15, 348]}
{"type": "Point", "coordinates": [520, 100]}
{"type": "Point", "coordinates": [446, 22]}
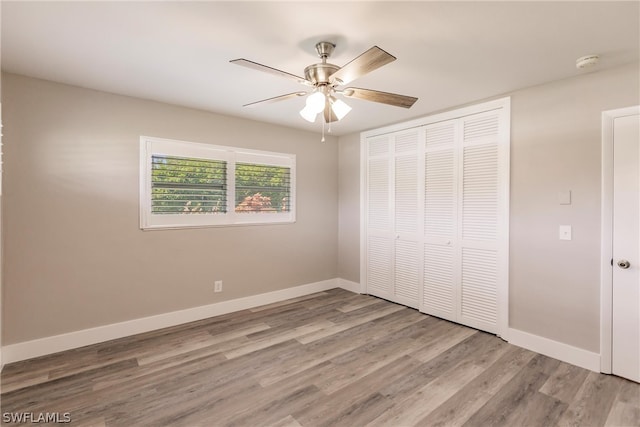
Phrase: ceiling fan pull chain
{"type": "Point", "coordinates": [322, 140]}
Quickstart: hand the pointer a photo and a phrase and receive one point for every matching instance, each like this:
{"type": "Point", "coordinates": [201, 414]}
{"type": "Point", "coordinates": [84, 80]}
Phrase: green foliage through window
{"type": "Point", "coordinates": [186, 186]}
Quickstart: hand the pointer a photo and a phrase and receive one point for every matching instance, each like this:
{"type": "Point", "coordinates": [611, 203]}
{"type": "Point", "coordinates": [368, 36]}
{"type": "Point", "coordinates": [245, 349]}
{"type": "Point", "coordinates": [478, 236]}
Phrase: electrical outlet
{"type": "Point", "coordinates": [565, 232]}
{"type": "Point", "coordinates": [217, 286]}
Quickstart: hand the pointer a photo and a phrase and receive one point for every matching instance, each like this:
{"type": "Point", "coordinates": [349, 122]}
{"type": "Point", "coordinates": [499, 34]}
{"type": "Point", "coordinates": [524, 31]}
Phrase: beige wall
{"type": "Point", "coordinates": [349, 208]}
{"type": "Point", "coordinates": [555, 146]}
{"type": "Point", "coordinates": [75, 257]}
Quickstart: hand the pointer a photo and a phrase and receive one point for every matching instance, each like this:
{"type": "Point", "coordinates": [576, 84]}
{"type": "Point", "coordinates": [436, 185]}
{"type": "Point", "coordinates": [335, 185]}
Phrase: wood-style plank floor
{"type": "Point", "coordinates": [329, 359]}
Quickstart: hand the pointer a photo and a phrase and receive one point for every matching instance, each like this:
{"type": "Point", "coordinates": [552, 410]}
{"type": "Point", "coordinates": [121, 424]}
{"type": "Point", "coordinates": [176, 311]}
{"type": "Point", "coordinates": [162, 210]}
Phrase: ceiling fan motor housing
{"type": "Point", "coordinates": [319, 73]}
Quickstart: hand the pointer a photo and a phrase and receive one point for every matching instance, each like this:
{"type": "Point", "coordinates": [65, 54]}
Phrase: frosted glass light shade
{"type": "Point", "coordinates": [308, 114]}
{"type": "Point", "coordinates": [316, 102]}
{"type": "Point", "coordinates": [340, 108]}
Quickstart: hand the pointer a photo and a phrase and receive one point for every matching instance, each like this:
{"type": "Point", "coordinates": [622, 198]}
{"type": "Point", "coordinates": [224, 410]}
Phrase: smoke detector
{"type": "Point", "coordinates": [587, 61]}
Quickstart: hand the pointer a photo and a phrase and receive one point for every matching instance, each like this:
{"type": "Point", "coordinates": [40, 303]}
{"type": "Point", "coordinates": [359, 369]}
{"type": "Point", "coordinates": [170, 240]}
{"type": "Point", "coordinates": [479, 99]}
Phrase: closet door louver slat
{"type": "Point", "coordinates": [438, 293]}
{"type": "Point", "coordinates": [407, 279]}
{"type": "Point", "coordinates": [378, 208]}
{"type": "Point", "coordinates": [379, 268]}
{"type": "Point", "coordinates": [479, 287]}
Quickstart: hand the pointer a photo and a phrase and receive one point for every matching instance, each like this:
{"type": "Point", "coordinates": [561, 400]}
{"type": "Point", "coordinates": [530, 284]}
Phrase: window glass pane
{"type": "Point", "coordinates": [262, 188]}
{"type": "Point", "coordinates": [186, 185]}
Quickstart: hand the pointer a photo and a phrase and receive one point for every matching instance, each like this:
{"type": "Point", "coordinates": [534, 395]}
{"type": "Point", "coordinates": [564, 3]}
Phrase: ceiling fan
{"type": "Point", "coordinates": [325, 79]}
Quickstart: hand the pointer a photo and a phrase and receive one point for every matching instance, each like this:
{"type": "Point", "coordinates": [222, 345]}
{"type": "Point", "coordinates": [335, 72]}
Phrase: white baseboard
{"type": "Point", "coordinates": [43, 346]}
{"type": "Point", "coordinates": [349, 286]}
{"type": "Point", "coordinates": [561, 351]}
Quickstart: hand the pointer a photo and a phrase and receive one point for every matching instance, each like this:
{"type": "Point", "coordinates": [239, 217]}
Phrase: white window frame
{"type": "Point", "coordinates": [150, 146]}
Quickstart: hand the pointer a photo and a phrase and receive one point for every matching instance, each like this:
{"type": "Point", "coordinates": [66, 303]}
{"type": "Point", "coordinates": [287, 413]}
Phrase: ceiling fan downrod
{"type": "Point", "coordinates": [319, 74]}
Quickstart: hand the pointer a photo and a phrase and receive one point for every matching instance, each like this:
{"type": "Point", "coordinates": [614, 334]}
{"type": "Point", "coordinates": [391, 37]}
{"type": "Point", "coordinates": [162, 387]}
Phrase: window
{"type": "Point", "coordinates": [187, 184]}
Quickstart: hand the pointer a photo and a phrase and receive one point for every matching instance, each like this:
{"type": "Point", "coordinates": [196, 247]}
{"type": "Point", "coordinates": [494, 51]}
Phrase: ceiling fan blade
{"type": "Point", "coordinates": [378, 96]}
{"type": "Point", "coordinates": [270, 70]}
{"type": "Point", "coordinates": [276, 99]}
{"type": "Point", "coordinates": [370, 60]}
{"type": "Point", "coordinates": [329, 115]}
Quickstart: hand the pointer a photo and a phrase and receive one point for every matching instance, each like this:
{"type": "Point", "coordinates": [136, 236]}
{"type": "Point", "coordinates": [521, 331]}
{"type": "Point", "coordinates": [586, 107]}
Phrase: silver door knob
{"type": "Point", "coordinates": [624, 264]}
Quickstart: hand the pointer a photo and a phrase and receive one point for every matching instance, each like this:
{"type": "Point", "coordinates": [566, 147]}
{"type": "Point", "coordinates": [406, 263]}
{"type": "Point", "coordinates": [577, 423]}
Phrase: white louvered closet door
{"type": "Point", "coordinates": [480, 221]}
{"type": "Point", "coordinates": [379, 274]}
{"type": "Point", "coordinates": [440, 290]}
{"type": "Point", "coordinates": [436, 215]}
{"type": "Point", "coordinates": [406, 214]}
{"type": "Point", "coordinates": [393, 227]}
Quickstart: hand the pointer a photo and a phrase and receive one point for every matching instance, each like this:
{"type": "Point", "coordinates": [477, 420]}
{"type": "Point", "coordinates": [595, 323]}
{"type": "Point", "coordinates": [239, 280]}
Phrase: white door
{"type": "Point", "coordinates": [406, 218]}
{"type": "Point", "coordinates": [626, 247]}
{"type": "Point", "coordinates": [378, 272]}
{"type": "Point", "coordinates": [393, 229]}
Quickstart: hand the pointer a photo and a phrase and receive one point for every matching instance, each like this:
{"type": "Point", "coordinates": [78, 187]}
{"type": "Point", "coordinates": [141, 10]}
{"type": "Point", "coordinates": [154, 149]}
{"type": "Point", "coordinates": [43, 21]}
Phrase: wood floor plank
{"type": "Point", "coordinates": [427, 398]}
{"type": "Point", "coordinates": [287, 421]}
{"type": "Point", "coordinates": [335, 405]}
{"type": "Point", "coordinates": [277, 407]}
{"type": "Point", "coordinates": [268, 341]}
{"type": "Point", "coordinates": [449, 336]}
{"type": "Point", "coordinates": [351, 366]}
{"type": "Point", "coordinates": [360, 413]}
{"type": "Point", "coordinates": [427, 372]}
{"type": "Point", "coordinates": [145, 372]}
{"type": "Point", "coordinates": [329, 359]}
{"type": "Point", "coordinates": [593, 401]}
{"type": "Point", "coordinates": [469, 399]}
{"type": "Point", "coordinates": [335, 328]}
{"type": "Point", "coordinates": [565, 382]}
{"type": "Point", "coordinates": [511, 398]}
{"type": "Point", "coordinates": [358, 304]}
{"type": "Point", "coordinates": [342, 342]}
{"type": "Point", "coordinates": [629, 392]}
{"type": "Point", "coordinates": [415, 406]}
{"type": "Point", "coordinates": [77, 383]}
{"type": "Point", "coordinates": [286, 302]}
{"type": "Point", "coordinates": [623, 415]}
{"type": "Point", "coordinates": [539, 409]}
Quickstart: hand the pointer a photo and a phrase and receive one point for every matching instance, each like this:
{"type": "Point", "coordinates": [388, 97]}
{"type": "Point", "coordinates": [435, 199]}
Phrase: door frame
{"type": "Point", "coordinates": [606, 269]}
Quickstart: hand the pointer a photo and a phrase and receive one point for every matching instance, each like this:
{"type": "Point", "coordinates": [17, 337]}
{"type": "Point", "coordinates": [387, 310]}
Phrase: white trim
{"type": "Point", "coordinates": [606, 227]}
{"type": "Point", "coordinates": [150, 145]}
{"type": "Point", "coordinates": [505, 196]}
{"type": "Point", "coordinates": [350, 286]}
{"type": "Point", "coordinates": [364, 172]}
{"type": "Point", "coordinates": [561, 351]}
{"type": "Point", "coordinates": [440, 117]}
{"type": "Point", "coordinates": [43, 346]}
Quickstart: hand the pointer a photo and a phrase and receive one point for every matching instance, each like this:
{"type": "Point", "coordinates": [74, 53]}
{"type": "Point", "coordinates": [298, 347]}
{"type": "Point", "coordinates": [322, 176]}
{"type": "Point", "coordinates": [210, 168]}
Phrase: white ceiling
{"type": "Point", "coordinates": [449, 53]}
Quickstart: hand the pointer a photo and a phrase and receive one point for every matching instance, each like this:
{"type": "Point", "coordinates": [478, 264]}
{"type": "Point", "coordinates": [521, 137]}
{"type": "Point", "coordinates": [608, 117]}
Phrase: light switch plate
{"type": "Point", "coordinates": [564, 197]}
{"type": "Point", "coordinates": [565, 232]}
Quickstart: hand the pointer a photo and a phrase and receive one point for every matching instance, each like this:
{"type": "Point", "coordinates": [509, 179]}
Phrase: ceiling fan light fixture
{"type": "Point", "coordinates": [308, 114]}
{"type": "Point", "coordinates": [316, 102]}
{"type": "Point", "coordinates": [339, 107]}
